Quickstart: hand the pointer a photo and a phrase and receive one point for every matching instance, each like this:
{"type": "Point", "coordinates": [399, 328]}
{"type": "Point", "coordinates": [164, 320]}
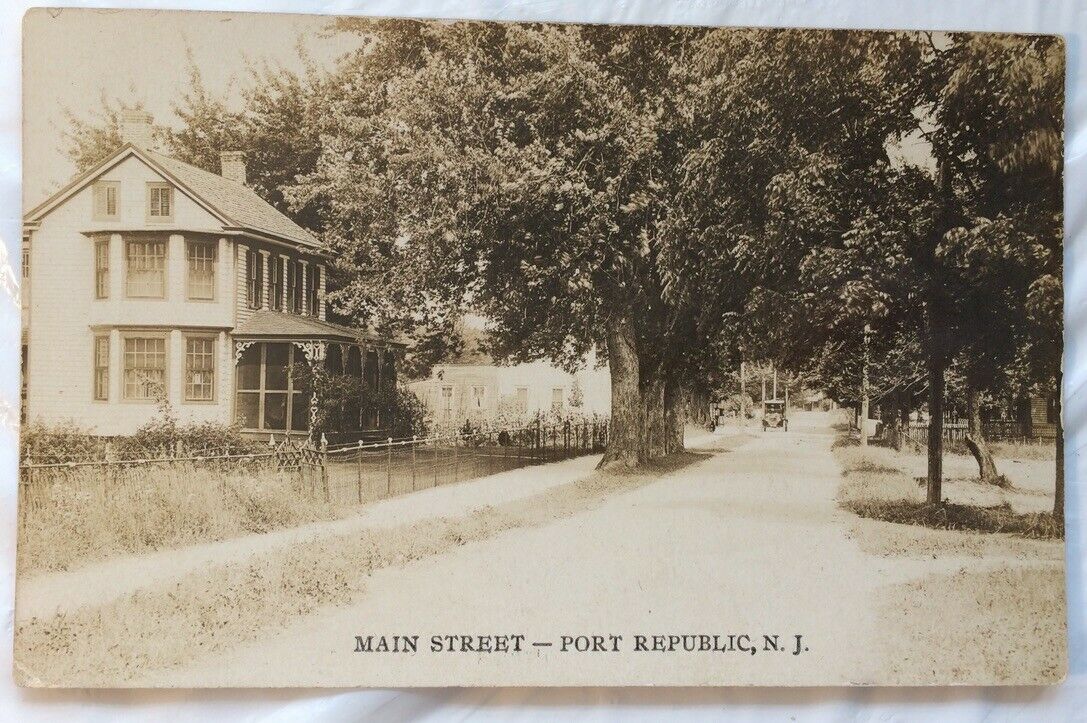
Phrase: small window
{"type": "Point", "coordinates": [295, 291]}
{"type": "Point", "coordinates": [201, 261]}
{"type": "Point", "coordinates": [26, 262]}
{"type": "Point", "coordinates": [275, 283]}
{"type": "Point", "coordinates": [101, 368]}
{"type": "Point", "coordinates": [146, 269]}
{"type": "Point", "coordinates": [556, 399]}
{"type": "Point", "coordinates": [199, 369]}
{"type": "Point", "coordinates": [255, 263]}
{"type": "Point", "coordinates": [1053, 409]}
{"type": "Point", "coordinates": [447, 399]}
{"type": "Point", "coordinates": [101, 268]}
{"type": "Point", "coordinates": [105, 200]}
{"type": "Point", "coordinates": [313, 284]}
{"type": "Point", "coordinates": [160, 202]}
{"type": "Point", "coordinates": [144, 368]}
{"type": "Point", "coordinates": [479, 396]}
{"type": "Point", "coordinates": [522, 399]}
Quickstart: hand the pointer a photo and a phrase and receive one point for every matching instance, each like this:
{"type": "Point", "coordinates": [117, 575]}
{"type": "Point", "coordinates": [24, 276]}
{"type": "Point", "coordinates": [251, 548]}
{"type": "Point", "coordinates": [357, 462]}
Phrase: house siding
{"type": "Point", "coordinates": [65, 315]}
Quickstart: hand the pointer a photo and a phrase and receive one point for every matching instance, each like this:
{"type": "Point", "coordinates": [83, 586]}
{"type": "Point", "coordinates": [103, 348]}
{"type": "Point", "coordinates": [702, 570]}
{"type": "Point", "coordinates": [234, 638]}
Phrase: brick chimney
{"type": "Point", "coordinates": [136, 127]}
{"type": "Point", "coordinates": [233, 166]}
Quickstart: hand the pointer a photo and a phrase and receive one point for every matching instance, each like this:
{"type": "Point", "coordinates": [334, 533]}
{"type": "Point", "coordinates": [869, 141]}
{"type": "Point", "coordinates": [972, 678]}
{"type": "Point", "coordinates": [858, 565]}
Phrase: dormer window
{"type": "Point", "coordinates": [160, 202]}
{"type": "Point", "coordinates": [105, 200]}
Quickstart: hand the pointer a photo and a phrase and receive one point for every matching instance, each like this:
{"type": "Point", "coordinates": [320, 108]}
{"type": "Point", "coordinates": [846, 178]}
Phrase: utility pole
{"type": "Point", "coordinates": [864, 389]}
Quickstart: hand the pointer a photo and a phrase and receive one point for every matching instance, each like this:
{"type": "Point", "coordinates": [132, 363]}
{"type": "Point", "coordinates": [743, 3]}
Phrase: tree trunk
{"type": "Point", "coordinates": [892, 424]}
{"type": "Point", "coordinates": [1058, 496]}
{"type": "Point", "coordinates": [675, 415]}
{"type": "Point", "coordinates": [975, 439]}
{"type": "Point", "coordinates": [625, 430]}
{"type": "Point", "coordinates": [653, 425]}
{"type": "Point", "coordinates": [904, 422]}
{"type": "Point", "coordinates": [937, 365]}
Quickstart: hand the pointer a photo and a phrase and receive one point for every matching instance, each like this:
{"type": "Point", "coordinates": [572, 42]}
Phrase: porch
{"type": "Point", "coordinates": [269, 398]}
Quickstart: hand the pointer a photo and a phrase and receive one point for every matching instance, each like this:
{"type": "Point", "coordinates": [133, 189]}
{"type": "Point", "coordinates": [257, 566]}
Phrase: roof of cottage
{"type": "Point", "coordinates": [279, 325]}
{"type": "Point", "coordinates": [236, 205]}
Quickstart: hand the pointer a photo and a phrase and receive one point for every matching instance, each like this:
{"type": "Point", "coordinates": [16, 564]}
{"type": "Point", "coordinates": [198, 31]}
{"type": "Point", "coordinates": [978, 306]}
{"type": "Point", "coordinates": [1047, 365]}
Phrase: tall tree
{"type": "Point", "coordinates": [520, 171]}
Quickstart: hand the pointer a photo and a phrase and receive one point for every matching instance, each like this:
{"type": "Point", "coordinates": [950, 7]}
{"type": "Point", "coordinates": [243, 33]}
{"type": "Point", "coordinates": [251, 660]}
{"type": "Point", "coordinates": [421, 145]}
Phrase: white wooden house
{"type": "Point", "coordinates": [148, 278]}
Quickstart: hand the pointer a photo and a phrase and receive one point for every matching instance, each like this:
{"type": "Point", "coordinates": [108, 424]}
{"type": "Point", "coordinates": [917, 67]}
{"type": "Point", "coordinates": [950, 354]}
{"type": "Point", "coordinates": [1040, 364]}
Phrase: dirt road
{"type": "Point", "coordinates": [745, 542]}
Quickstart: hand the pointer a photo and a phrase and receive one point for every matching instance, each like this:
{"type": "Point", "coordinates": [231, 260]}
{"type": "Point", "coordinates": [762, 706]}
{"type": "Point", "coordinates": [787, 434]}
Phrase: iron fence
{"type": "Point", "coordinates": [339, 474]}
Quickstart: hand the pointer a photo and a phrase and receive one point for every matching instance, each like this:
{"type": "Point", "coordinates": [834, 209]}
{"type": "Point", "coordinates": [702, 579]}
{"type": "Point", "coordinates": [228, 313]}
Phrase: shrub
{"type": "Point", "coordinates": [164, 436]}
{"type": "Point", "coordinates": [62, 442]}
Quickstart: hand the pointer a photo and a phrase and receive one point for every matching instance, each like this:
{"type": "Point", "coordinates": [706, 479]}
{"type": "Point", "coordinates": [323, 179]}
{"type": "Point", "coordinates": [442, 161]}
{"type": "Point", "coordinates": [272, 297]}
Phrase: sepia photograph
{"type": "Point", "coordinates": [401, 352]}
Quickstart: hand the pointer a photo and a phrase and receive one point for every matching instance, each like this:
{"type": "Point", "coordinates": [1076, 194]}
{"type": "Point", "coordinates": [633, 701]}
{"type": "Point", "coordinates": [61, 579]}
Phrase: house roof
{"type": "Point", "coordinates": [235, 204]}
{"type": "Point", "coordinates": [276, 324]}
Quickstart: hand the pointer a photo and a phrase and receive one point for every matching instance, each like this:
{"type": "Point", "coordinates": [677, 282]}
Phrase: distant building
{"type": "Point", "coordinates": [456, 393]}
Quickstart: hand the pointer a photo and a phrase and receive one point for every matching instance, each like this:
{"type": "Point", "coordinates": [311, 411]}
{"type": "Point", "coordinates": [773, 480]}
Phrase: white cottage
{"type": "Point", "coordinates": [146, 277]}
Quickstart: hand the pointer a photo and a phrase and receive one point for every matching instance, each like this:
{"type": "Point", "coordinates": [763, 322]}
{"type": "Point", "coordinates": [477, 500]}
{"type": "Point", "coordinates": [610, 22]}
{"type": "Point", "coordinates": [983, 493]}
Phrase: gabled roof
{"type": "Point", "coordinates": [279, 325]}
{"type": "Point", "coordinates": [235, 204]}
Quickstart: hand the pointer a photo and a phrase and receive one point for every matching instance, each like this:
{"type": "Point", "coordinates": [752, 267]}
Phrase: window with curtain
{"type": "Point", "coordinates": [101, 368]}
{"type": "Point", "coordinates": [101, 268]}
{"type": "Point", "coordinates": [200, 256]}
{"type": "Point", "coordinates": [199, 369]}
{"type": "Point", "coordinates": [144, 368]}
{"type": "Point", "coordinates": [146, 273]}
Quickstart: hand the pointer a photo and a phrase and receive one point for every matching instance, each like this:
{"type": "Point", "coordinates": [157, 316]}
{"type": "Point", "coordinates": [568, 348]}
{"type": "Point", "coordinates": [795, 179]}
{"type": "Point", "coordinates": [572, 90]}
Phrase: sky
{"type": "Point", "coordinates": [71, 57]}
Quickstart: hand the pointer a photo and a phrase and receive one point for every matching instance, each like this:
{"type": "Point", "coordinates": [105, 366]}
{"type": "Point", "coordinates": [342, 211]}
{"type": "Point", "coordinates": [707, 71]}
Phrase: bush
{"type": "Point", "coordinates": [165, 437]}
{"type": "Point", "coordinates": [62, 442]}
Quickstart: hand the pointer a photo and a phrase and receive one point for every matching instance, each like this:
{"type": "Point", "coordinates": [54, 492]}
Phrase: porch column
{"type": "Point", "coordinates": [285, 279]}
{"type": "Point", "coordinates": [224, 392]}
{"type": "Point", "coordinates": [304, 306]}
{"type": "Point", "coordinates": [321, 293]}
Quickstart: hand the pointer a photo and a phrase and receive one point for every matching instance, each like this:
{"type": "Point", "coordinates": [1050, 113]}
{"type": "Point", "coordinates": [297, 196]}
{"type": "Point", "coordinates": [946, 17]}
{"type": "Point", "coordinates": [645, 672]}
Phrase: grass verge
{"type": "Point", "coordinates": [875, 487]}
{"type": "Point", "coordinates": [212, 610]}
{"type": "Point", "coordinates": [155, 509]}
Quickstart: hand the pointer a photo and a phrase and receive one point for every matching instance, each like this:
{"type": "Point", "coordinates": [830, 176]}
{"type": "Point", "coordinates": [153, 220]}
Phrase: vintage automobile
{"type": "Point", "coordinates": [773, 415]}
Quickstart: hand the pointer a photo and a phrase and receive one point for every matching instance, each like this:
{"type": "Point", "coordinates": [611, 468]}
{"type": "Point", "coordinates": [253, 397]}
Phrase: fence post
{"type": "Point", "coordinates": [536, 441]}
{"type": "Point", "coordinates": [324, 468]}
{"type": "Point", "coordinates": [358, 467]}
{"type": "Point", "coordinates": [437, 448]}
{"type": "Point", "coordinates": [414, 439]}
{"type": "Point", "coordinates": [389, 467]}
{"type": "Point", "coordinates": [456, 458]}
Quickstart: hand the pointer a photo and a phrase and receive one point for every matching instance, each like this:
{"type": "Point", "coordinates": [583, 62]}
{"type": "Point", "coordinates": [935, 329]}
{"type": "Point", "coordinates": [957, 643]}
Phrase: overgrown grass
{"type": "Point", "coordinates": [874, 486]}
{"type": "Point", "coordinates": [216, 609]}
{"type": "Point", "coordinates": [74, 521]}
{"type": "Point", "coordinates": [1024, 450]}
